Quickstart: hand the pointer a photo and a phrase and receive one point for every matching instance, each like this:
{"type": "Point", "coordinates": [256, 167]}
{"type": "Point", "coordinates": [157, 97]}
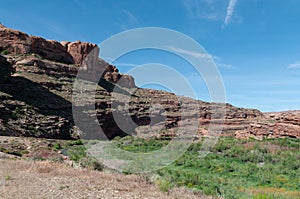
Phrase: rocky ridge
{"type": "Point", "coordinates": [36, 100]}
{"type": "Point", "coordinates": [17, 42]}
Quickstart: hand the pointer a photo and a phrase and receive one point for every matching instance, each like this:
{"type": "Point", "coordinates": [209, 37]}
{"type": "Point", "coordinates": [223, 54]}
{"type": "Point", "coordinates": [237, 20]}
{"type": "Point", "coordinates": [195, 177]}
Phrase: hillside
{"type": "Point", "coordinates": [44, 153]}
{"type": "Point", "coordinates": [36, 99]}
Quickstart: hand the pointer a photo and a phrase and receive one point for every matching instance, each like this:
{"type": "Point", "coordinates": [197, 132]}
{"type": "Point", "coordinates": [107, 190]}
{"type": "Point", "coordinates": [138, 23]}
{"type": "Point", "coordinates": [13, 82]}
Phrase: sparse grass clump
{"type": "Point", "coordinates": [7, 177]}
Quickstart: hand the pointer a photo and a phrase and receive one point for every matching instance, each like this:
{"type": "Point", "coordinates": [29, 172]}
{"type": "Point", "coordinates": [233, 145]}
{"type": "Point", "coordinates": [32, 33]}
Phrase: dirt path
{"type": "Point", "coordinates": [28, 179]}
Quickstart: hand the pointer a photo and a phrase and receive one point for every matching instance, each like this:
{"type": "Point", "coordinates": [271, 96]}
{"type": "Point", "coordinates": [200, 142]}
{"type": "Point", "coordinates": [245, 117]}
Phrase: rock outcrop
{"type": "Point", "coordinates": [37, 100]}
{"type": "Point", "coordinates": [82, 54]}
{"type": "Point", "coordinates": [14, 41]}
{"type": "Point", "coordinates": [79, 50]}
{"type": "Point", "coordinates": [17, 42]}
{"type": "Point", "coordinates": [273, 125]}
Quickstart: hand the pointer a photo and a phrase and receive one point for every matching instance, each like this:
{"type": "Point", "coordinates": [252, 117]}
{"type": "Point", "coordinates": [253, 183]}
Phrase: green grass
{"type": "Point", "coordinates": [234, 169]}
{"type": "Point", "coordinates": [139, 145]}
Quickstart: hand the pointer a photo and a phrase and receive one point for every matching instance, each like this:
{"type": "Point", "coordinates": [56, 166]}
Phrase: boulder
{"type": "Point", "coordinates": [127, 81]}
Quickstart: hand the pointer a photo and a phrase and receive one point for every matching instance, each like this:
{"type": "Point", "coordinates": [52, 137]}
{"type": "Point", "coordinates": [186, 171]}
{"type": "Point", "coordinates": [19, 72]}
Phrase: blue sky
{"type": "Point", "coordinates": [255, 43]}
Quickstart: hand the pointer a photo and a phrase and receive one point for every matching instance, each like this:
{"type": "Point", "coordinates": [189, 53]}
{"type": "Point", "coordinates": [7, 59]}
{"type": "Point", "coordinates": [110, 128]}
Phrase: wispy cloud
{"type": "Point", "coordinates": [229, 12]}
{"type": "Point", "coordinates": [132, 18]}
{"type": "Point", "coordinates": [227, 66]}
{"type": "Point", "coordinates": [212, 10]}
{"type": "Point", "coordinates": [220, 63]}
{"type": "Point", "coordinates": [218, 60]}
{"type": "Point", "coordinates": [294, 65]}
{"type": "Point", "coordinates": [190, 52]}
{"type": "Point", "coordinates": [127, 20]}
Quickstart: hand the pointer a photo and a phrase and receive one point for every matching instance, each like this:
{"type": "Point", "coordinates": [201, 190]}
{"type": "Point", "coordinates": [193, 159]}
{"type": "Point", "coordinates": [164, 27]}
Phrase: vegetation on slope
{"type": "Point", "coordinates": [234, 168]}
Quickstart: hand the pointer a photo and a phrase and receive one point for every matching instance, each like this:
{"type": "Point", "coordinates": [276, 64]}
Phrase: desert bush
{"type": "Point", "coordinates": [91, 163]}
{"type": "Point", "coordinates": [56, 158]}
{"type": "Point", "coordinates": [77, 153]}
{"type": "Point", "coordinates": [5, 52]}
{"type": "Point", "coordinates": [75, 143]}
{"type": "Point", "coordinates": [57, 146]}
{"type": "Point", "coordinates": [162, 184]}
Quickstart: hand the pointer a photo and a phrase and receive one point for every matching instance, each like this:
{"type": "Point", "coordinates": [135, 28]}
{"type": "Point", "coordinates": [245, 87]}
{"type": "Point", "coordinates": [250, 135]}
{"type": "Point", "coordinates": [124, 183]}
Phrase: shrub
{"type": "Point", "coordinates": [91, 163]}
{"type": "Point", "coordinates": [5, 52]}
{"type": "Point", "coordinates": [163, 184]}
{"type": "Point", "coordinates": [57, 158]}
{"type": "Point", "coordinates": [77, 153]}
{"type": "Point", "coordinates": [75, 143]}
{"type": "Point", "coordinates": [57, 146]}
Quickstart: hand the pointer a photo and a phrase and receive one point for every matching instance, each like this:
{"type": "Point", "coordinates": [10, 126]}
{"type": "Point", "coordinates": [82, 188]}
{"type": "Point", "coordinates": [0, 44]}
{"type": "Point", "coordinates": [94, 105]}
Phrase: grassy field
{"type": "Point", "coordinates": [234, 169]}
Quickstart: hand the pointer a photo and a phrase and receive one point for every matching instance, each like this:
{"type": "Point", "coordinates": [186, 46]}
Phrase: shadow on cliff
{"type": "Point", "coordinates": [46, 103]}
{"type": "Point", "coordinates": [32, 94]}
{"type": "Point", "coordinates": [50, 104]}
{"type": "Point", "coordinates": [43, 101]}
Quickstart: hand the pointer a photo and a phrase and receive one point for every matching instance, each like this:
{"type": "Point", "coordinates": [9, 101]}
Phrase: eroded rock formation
{"type": "Point", "coordinates": [82, 54]}
{"type": "Point", "coordinates": [17, 42]}
{"type": "Point", "coordinates": [37, 100]}
{"type": "Point", "coordinates": [273, 125]}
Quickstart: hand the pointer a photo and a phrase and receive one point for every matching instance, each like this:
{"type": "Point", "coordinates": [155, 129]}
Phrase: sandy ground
{"type": "Point", "coordinates": [43, 179]}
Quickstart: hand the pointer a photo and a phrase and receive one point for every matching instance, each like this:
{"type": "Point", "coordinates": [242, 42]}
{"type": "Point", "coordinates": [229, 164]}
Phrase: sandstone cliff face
{"type": "Point", "coordinates": [79, 50]}
{"type": "Point", "coordinates": [18, 42]}
{"type": "Point", "coordinates": [37, 100]}
{"type": "Point", "coordinates": [13, 40]}
{"type": "Point", "coordinates": [82, 54]}
{"type": "Point", "coordinates": [273, 125]}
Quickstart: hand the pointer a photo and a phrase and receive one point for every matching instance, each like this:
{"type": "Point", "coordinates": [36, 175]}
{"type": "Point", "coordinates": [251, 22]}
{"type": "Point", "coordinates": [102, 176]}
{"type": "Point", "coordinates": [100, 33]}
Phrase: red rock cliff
{"type": "Point", "coordinates": [17, 42]}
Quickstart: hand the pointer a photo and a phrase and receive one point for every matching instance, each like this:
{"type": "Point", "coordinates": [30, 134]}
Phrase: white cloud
{"type": "Point", "coordinates": [220, 64]}
{"type": "Point", "coordinates": [128, 20]}
{"type": "Point", "coordinates": [216, 59]}
{"type": "Point", "coordinates": [294, 65]}
{"type": "Point", "coordinates": [229, 12]}
{"type": "Point", "coordinates": [212, 10]}
{"type": "Point", "coordinates": [227, 66]}
{"type": "Point", "coordinates": [132, 18]}
{"type": "Point", "coordinates": [190, 52]}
